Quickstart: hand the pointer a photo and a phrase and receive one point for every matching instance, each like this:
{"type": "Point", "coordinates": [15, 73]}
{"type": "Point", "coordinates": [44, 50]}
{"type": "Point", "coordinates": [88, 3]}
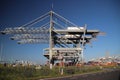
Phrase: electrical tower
{"type": "Point", "coordinates": [66, 40]}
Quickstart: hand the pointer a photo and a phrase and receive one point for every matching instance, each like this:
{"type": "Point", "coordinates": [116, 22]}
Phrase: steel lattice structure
{"type": "Point", "coordinates": [66, 40]}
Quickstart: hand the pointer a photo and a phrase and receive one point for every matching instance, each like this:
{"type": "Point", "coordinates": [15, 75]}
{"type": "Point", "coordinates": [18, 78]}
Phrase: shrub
{"type": "Point", "coordinates": [30, 73]}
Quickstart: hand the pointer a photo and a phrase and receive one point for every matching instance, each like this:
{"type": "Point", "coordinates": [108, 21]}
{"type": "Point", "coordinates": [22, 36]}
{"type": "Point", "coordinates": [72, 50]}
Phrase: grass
{"type": "Point", "coordinates": [30, 73]}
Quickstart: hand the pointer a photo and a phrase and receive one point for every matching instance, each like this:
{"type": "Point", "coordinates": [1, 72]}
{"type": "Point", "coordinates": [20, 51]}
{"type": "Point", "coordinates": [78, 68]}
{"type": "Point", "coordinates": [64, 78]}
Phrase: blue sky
{"type": "Point", "coordinates": [97, 14]}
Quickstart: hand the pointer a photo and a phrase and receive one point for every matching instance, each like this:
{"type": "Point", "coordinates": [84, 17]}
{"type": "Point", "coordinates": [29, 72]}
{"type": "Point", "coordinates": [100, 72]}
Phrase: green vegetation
{"type": "Point", "coordinates": [30, 73]}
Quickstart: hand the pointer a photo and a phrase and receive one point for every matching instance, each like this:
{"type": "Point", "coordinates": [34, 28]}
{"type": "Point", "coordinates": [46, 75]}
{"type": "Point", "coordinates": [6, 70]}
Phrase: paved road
{"type": "Point", "coordinates": [107, 74]}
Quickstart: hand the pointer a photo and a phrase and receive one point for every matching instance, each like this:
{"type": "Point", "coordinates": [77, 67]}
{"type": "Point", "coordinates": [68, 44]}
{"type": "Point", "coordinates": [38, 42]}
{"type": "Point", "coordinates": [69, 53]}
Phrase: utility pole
{"type": "Point", "coordinates": [1, 52]}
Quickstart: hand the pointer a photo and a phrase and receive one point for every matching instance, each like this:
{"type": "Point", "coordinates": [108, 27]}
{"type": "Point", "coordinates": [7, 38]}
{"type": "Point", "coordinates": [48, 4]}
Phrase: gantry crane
{"type": "Point", "coordinates": [66, 40]}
